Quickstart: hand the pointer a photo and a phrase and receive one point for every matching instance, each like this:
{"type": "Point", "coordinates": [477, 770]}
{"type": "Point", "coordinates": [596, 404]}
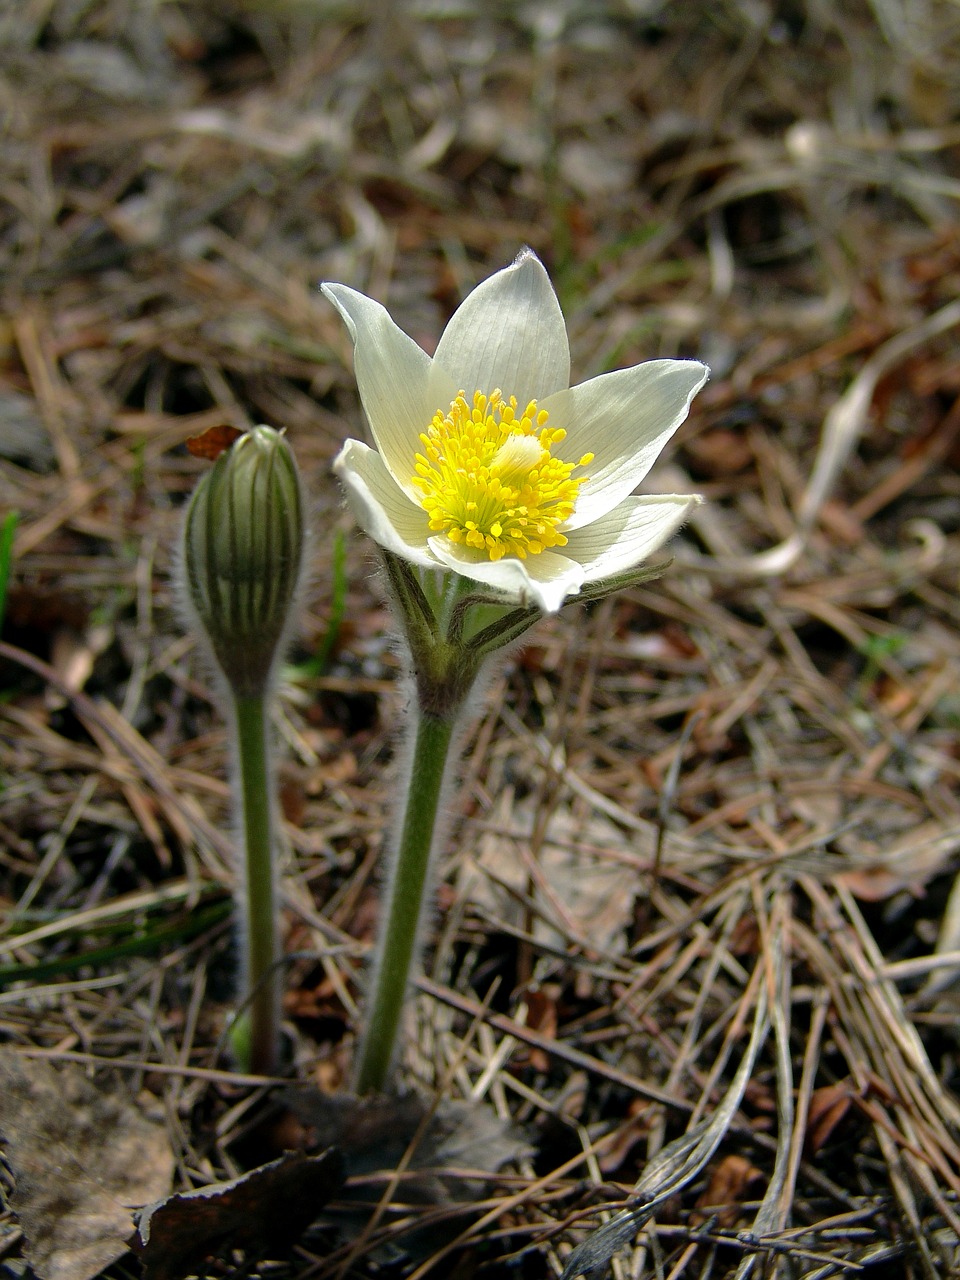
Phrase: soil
{"type": "Point", "coordinates": [705, 841]}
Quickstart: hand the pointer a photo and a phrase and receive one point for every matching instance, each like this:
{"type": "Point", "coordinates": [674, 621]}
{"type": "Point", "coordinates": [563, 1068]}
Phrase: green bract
{"type": "Point", "coordinates": [242, 554]}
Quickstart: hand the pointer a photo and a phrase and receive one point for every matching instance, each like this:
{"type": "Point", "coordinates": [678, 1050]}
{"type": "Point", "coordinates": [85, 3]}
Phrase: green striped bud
{"type": "Point", "coordinates": [242, 553]}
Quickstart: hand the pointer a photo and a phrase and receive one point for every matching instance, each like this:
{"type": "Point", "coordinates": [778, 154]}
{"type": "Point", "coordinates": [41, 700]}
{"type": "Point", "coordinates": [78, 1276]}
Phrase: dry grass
{"type": "Point", "coordinates": [741, 780]}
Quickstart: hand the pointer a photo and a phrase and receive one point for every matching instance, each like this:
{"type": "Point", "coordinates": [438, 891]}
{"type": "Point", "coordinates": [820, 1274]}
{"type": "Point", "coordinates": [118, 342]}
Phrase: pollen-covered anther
{"type": "Point", "coordinates": [489, 479]}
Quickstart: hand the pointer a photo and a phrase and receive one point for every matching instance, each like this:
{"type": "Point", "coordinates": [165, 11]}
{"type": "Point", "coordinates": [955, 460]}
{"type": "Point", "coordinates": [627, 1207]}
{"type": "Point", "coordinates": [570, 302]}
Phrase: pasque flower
{"type": "Point", "coordinates": [489, 464]}
{"type": "Point", "coordinates": [495, 491]}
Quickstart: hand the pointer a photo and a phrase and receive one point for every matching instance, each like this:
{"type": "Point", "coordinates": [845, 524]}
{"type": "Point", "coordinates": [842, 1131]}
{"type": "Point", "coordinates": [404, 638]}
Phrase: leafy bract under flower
{"type": "Point", "coordinates": [489, 464]}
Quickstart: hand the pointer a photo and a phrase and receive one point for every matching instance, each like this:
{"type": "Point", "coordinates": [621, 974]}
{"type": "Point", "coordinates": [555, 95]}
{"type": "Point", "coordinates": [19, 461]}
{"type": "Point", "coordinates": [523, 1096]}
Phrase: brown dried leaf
{"type": "Point", "coordinates": [828, 1106]}
{"type": "Point", "coordinates": [719, 452]}
{"type": "Point", "coordinates": [263, 1212]}
{"type": "Point", "coordinates": [541, 1016]}
{"type": "Point", "coordinates": [212, 442]}
{"type": "Point", "coordinates": [375, 1133]}
{"type": "Point", "coordinates": [907, 863]}
{"type": "Point", "coordinates": [632, 1131]}
{"type": "Point", "coordinates": [79, 1156]}
{"type": "Point", "coordinates": [729, 1183]}
{"type": "Point", "coordinates": [73, 656]}
{"type": "Point", "coordinates": [580, 885]}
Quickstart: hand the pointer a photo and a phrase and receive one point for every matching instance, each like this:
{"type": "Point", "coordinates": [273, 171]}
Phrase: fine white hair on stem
{"type": "Point", "coordinates": [463, 719]}
{"type": "Point", "coordinates": [240, 575]}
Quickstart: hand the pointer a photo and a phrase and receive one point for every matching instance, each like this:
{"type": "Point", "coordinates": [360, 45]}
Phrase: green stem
{"type": "Point", "coordinates": [431, 750]}
{"type": "Point", "coordinates": [261, 978]}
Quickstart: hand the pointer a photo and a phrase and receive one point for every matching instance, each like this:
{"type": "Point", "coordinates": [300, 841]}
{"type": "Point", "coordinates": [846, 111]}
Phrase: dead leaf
{"type": "Point", "coordinates": [632, 1131]}
{"type": "Point", "coordinates": [541, 1016]}
{"type": "Point", "coordinates": [729, 1184]}
{"type": "Point", "coordinates": [73, 657]}
{"type": "Point", "coordinates": [908, 863]}
{"type": "Point", "coordinates": [720, 452]}
{"type": "Point", "coordinates": [593, 892]}
{"type": "Point", "coordinates": [828, 1106]}
{"type": "Point", "coordinates": [264, 1212]}
{"type": "Point", "coordinates": [212, 442]}
{"type": "Point", "coordinates": [374, 1134]}
{"type": "Point", "coordinates": [81, 1159]}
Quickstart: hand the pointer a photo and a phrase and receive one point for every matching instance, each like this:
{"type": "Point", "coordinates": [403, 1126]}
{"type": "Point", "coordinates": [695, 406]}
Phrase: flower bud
{"type": "Point", "coordinates": [242, 553]}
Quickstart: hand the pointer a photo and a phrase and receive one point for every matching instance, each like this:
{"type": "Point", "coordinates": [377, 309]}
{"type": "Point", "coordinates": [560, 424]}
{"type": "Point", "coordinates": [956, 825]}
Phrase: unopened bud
{"type": "Point", "coordinates": [242, 553]}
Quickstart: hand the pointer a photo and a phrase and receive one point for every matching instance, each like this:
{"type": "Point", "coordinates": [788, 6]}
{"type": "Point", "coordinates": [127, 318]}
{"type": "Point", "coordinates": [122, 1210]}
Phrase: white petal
{"type": "Point", "coordinates": [508, 333]}
{"type": "Point", "coordinates": [629, 534]}
{"type": "Point", "coordinates": [544, 580]}
{"type": "Point", "coordinates": [392, 374]}
{"type": "Point", "coordinates": [380, 507]}
{"type": "Point", "coordinates": [624, 419]}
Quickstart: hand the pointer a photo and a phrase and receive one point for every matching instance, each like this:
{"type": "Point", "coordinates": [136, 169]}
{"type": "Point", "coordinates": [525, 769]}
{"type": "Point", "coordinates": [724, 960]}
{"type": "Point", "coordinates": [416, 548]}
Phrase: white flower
{"type": "Point", "coordinates": [489, 463]}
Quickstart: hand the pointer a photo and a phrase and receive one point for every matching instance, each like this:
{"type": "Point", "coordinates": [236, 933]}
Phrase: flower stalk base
{"type": "Point", "coordinates": [453, 629]}
{"type": "Point", "coordinates": [260, 1036]}
{"type": "Point", "coordinates": [429, 761]}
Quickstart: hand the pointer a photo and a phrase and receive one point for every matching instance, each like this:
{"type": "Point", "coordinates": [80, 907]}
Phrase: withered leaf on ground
{"type": "Point", "coordinates": [457, 1145]}
{"type": "Point", "coordinates": [212, 442]}
{"type": "Point", "coordinates": [582, 889]}
{"type": "Point", "coordinates": [264, 1212]}
{"type": "Point", "coordinates": [374, 1133]}
{"type": "Point", "coordinates": [81, 1158]}
{"type": "Point", "coordinates": [909, 862]}
{"type": "Point", "coordinates": [730, 1182]}
{"type": "Point", "coordinates": [828, 1106]}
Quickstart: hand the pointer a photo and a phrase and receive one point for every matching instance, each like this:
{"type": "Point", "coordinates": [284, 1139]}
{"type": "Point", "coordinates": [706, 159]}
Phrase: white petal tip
{"type": "Point", "coordinates": [525, 254]}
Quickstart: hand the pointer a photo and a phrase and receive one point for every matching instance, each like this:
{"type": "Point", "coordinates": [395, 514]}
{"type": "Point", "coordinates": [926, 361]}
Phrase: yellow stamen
{"type": "Point", "coordinates": [488, 478]}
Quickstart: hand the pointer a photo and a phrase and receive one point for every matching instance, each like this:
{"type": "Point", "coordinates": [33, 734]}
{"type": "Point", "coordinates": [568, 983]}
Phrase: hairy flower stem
{"type": "Point", "coordinates": [429, 759]}
{"type": "Point", "coordinates": [261, 978]}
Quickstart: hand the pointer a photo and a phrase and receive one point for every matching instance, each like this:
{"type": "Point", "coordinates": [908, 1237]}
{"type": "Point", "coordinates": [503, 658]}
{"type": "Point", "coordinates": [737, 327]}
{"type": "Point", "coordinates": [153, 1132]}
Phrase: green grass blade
{"type": "Point", "coordinates": [316, 665]}
{"type": "Point", "coordinates": [145, 942]}
{"type": "Point", "coordinates": [8, 528]}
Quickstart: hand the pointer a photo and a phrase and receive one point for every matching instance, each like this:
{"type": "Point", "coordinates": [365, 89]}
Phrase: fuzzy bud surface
{"type": "Point", "coordinates": [242, 554]}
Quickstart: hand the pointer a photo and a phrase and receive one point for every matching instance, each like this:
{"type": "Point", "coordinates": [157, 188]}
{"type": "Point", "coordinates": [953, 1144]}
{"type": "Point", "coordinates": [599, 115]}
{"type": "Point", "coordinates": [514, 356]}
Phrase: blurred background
{"type": "Point", "coordinates": [769, 187]}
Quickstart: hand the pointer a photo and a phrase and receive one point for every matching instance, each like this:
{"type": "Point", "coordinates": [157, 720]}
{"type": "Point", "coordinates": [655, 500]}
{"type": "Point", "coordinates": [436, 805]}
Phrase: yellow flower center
{"type": "Point", "coordinates": [489, 481]}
